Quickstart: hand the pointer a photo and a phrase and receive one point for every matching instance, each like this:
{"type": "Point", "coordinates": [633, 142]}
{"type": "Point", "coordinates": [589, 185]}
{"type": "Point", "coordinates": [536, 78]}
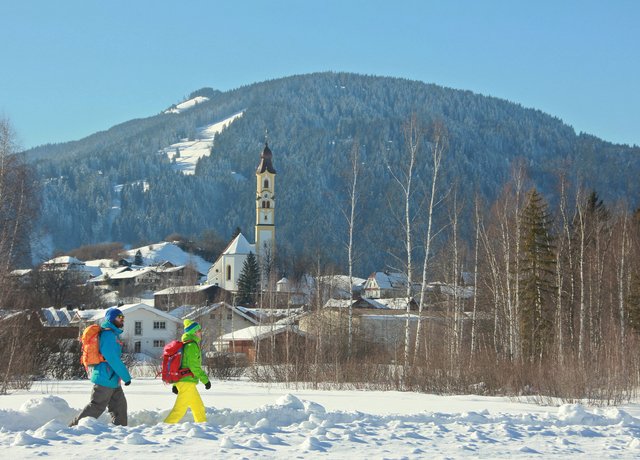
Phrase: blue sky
{"type": "Point", "coordinates": [75, 67]}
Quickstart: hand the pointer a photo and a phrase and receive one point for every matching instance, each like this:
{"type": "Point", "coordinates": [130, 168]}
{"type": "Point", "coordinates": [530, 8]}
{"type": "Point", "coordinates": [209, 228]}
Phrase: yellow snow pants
{"type": "Point", "coordinates": [188, 397]}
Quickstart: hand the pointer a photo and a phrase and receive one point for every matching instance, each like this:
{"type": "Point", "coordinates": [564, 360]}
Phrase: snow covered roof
{"type": "Point", "coordinates": [395, 303]}
{"type": "Point", "coordinates": [239, 245]}
{"type": "Point", "coordinates": [389, 280]}
{"type": "Point", "coordinates": [64, 260]}
{"type": "Point", "coordinates": [157, 253]}
{"type": "Point", "coordinates": [57, 317]}
{"type": "Point", "coordinates": [184, 289]}
{"type": "Point", "coordinates": [129, 308]}
{"type": "Point", "coordinates": [259, 332]}
{"type": "Point", "coordinates": [270, 314]}
{"type": "Point", "coordinates": [127, 274]}
{"type": "Point", "coordinates": [102, 263]}
{"type": "Point", "coordinates": [382, 304]}
{"type": "Point", "coordinates": [108, 273]}
{"type": "Point", "coordinates": [197, 312]}
{"type": "Point", "coordinates": [86, 315]}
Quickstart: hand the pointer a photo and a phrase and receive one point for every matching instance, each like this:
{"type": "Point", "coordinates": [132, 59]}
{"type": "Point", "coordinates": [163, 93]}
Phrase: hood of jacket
{"type": "Point", "coordinates": [109, 325]}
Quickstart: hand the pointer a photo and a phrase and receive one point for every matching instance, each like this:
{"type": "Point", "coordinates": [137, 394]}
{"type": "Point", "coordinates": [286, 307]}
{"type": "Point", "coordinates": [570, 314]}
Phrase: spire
{"type": "Point", "coordinates": [265, 160]}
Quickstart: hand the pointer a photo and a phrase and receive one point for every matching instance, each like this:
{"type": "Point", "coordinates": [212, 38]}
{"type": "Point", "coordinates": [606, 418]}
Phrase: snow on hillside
{"type": "Point", "coordinates": [187, 104]}
{"type": "Point", "coordinates": [160, 252]}
{"type": "Point", "coordinates": [186, 153]}
{"type": "Point", "coordinates": [251, 420]}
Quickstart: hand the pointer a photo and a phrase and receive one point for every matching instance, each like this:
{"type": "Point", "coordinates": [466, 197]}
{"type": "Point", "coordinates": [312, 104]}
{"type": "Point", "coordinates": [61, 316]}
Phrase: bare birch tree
{"type": "Point", "coordinates": [439, 144]}
{"type": "Point", "coordinates": [18, 206]}
{"type": "Point", "coordinates": [404, 175]}
{"type": "Point", "coordinates": [350, 217]}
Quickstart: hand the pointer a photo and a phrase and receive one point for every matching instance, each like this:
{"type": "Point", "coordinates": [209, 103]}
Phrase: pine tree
{"type": "Point", "coordinates": [137, 260]}
{"type": "Point", "coordinates": [537, 269]}
{"type": "Point", "coordinates": [249, 280]}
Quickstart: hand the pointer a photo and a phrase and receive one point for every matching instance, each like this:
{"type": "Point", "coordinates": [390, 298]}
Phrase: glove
{"type": "Point", "coordinates": [207, 385]}
{"type": "Point", "coordinates": [174, 389]}
{"type": "Point", "coordinates": [127, 383]}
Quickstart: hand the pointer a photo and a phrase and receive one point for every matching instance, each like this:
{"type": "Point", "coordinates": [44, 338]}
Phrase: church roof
{"type": "Point", "coordinates": [265, 161]}
{"type": "Point", "coordinates": [239, 245]}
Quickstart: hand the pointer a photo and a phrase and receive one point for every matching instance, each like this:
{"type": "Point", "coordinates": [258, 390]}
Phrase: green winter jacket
{"type": "Point", "coordinates": [192, 359]}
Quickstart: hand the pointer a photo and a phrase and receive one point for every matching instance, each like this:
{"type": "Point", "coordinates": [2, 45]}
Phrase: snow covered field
{"type": "Point", "coordinates": [249, 420]}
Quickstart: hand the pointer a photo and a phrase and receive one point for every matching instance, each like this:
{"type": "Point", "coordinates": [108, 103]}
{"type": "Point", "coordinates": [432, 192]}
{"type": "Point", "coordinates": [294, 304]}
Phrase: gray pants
{"type": "Point", "coordinates": [102, 398]}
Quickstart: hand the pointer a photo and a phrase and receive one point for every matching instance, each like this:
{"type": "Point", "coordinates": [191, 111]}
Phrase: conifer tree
{"type": "Point", "coordinates": [537, 269]}
{"type": "Point", "coordinates": [249, 280]}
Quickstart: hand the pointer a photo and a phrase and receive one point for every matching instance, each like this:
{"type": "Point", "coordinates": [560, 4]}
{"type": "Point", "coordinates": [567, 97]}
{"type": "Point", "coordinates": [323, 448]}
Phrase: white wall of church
{"type": "Point", "coordinates": [226, 272]}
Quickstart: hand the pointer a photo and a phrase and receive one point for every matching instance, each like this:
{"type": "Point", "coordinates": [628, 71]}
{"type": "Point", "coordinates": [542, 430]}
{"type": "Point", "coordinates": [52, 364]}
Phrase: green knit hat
{"type": "Point", "coordinates": [191, 327]}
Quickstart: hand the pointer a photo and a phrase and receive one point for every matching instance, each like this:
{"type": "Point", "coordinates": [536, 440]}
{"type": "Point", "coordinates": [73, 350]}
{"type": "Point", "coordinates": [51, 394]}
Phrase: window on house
{"type": "Point", "coordinates": [228, 272]}
{"type": "Point", "coordinates": [137, 347]}
{"type": "Point", "coordinates": [137, 329]}
{"type": "Point", "coordinates": [229, 316]}
{"type": "Point", "coordinates": [264, 204]}
{"type": "Point", "coordinates": [266, 183]}
{"type": "Point", "coordinates": [159, 325]}
{"type": "Point", "coordinates": [158, 343]}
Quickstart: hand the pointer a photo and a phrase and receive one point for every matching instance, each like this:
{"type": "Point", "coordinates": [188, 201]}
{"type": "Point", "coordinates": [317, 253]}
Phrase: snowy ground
{"type": "Point", "coordinates": [247, 420]}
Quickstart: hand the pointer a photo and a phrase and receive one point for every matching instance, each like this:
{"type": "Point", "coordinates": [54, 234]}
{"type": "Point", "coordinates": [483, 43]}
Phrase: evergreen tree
{"type": "Point", "coordinates": [249, 280]}
{"type": "Point", "coordinates": [537, 269]}
{"type": "Point", "coordinates": [137, 260]}
{"type": "Point", "coordinates": [236, 232]}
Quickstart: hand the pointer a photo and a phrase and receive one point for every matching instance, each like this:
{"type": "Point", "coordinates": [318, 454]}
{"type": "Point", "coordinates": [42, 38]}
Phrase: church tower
{"type": "Point", "coordinates": [265, 207]}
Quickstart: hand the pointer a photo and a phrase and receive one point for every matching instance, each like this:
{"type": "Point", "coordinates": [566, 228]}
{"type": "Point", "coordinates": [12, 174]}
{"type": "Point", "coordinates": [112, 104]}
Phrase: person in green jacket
{"type": "Point", "coordinates": [185, 388]}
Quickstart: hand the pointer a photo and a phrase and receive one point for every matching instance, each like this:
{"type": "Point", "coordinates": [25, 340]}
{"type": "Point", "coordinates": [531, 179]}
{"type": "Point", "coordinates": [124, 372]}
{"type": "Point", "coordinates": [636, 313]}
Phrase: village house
{"type": "Point", "coordinates": [385, 284]}
{"type": "Point", "coordinates": [397, 303]}
{"type": "Point", "coordinates": [266, 344]}
{"type": "Point", "coordinates": [219, 319]}
{"type": "Point", "coordinates": [146, 329]}
{"type": "Point", "coordinates": [200, 295]}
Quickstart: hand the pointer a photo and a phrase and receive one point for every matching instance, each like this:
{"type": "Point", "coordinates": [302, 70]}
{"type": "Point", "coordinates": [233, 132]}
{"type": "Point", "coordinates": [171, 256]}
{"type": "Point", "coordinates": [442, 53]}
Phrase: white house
{"type": "Point", "coordinates": [385, 284]}
{"type": "Point", "coordinates": [146, 329]}
{"type": "Point", "coordinates": [225, 272]}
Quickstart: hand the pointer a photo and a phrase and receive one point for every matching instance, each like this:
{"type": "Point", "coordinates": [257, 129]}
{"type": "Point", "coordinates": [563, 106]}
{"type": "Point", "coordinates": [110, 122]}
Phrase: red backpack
{"type": "Point", "coordinates": [172, 369]}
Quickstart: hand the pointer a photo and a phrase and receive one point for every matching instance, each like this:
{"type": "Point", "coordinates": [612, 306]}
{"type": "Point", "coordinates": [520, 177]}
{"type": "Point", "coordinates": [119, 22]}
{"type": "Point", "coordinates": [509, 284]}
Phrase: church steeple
{"type": "Point", "coordinates": [265, 161]}
{"type": "Point", "coordinates": [265, 207]}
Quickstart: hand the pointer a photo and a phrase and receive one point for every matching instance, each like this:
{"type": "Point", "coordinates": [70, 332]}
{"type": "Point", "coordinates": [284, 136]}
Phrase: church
{"type": "Point", "coordinates": [225, 272]}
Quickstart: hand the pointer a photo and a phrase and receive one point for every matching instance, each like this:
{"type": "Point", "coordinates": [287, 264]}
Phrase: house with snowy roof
{"type": "Point", "coordinates": [396, 303]}
{"type": "Point", "coordinates": [146, 329]}
{"type": "Point", "coordinates": [219, 319]}
{"type": "Point", "coordinates": [198, 295]}
{"type": "Point", "coordinates": [268, 343]}
{"type": "Point", "coordinates": [385, 284]}
{"type": "Point", "coordinates": [71, 265]}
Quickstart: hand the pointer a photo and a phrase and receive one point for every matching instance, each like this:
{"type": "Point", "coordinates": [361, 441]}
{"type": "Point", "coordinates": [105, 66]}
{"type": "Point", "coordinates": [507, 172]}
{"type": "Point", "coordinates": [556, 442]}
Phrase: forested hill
{"type": "Point", "coordinates": [312, 121]}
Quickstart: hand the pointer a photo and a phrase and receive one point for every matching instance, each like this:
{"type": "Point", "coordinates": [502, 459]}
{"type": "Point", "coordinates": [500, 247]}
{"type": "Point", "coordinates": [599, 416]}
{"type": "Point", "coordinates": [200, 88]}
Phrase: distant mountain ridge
{"type": "Point", "coordinates": [312, 122]}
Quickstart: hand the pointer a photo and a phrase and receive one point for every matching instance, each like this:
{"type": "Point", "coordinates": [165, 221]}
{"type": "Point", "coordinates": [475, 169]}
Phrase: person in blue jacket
{"type": "Point", "coordinates": [107, 375]}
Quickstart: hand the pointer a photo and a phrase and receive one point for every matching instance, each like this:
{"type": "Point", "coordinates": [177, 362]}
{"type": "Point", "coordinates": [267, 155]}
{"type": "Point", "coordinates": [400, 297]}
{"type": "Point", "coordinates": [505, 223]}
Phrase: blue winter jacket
{"type": "Point", "coordinates": [110, 372]}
